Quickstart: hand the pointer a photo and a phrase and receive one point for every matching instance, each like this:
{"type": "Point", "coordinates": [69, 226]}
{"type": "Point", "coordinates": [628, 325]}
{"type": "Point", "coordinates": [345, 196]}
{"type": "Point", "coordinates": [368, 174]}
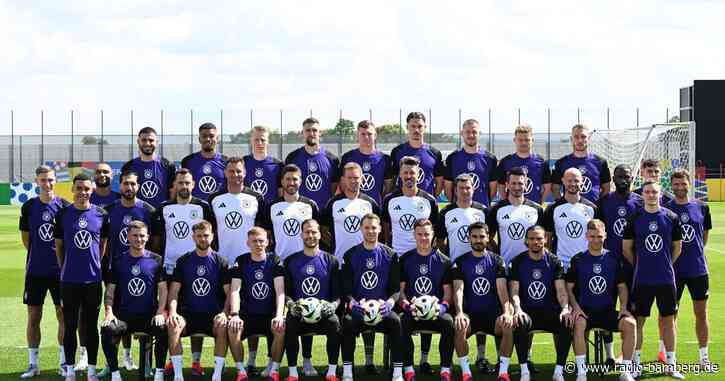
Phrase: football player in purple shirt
{"type": "Point", "coordinates": [650, 170]}
{"type": "Point", "coordinates": [320, 167]}
{"type": "Point", "coordinates": [536, 168]}
{"type": "Point", "coordinates": [42, 274]}
{"type": "Point", "coordinates": [594, 281]}
{"type": "Point", "coordinates": [653, 242]}
{"type": "Point", "coordinates": [156, 173]}
{"type": "Point", "coordinates": [430, 177]}
{"type": "Point", "coordinates": [256, 302]}
{"type": "Point", "coordinates": [377, 178]}
{"type": "Point", "coordinates": [80, 232]}
{"type": "Point", "coordinates": [595, 169]}
{"type": "Point", "coordinates": [475, 161]}
{"type": "Point", "coordinates": [135, 300]}
{"type": "Point", "coordinates": [197, 300]}
{"type": "Point", "coordinates": [102, 193]}
{"type": "Point", "coordinates": [691, 268]}
{"type": "Point", "coordinates": [207, 165]}
{"type": "Point", "coordinates": [263, 172]}
{"type": "Point", "coordinates": [316, 274]}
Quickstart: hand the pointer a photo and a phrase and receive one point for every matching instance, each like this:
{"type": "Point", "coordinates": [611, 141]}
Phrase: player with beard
{"type": "Point", "coordinates": [207, 165]}
{"type": "Point", "coordinates": [594, 282]}
{"type": "Point", "coordinates": [540, 300]}
{"type": "Point", "coordinates": [371, 271]}
{"type": "Point", "coordinates": [426, 271]}
{"type": "Point", "coordinates": [536, 168]}
{"type": "Point", "coordinates": [653, 242]}
{"type": "Point", "coordinates": [430, 177]}
{"type": "Point", "coordinates": [80, 232]}
{"type": "Point", "coordinates": [650, 170]}
{"type": "Point", "coordinates": [597, 179]}
{"type": "Point", "coordinates": [691, 268]}
{"type": "Point", "coordinates": [254, 309]}
{"type": "Point", "coordinates": [135, 300]}
{"type": "Point", "coordinates": [197, 300]}
{"type": "Point", "coordinates": [42, 274]}
{"type": "Point", "coordinates": [565, 220]}
{"type": "Point", "coordinates": [312, 273]}
{"type": "Point", "coordinates": [475, 161]}
{"type": "Point", "coordinates": [377, 178]}
{"type": "Point", "coordinates": [481, 299]}
{"type": "Point", "coordinates": [102, 193]}
{"type": "Point", "coordinates": [156, 173]}
{"type": "Point", "coordinates": [320, 167]}
{"type": "Point", "coordinates": [120, 214]}
{"type": "Point", "coordinates": [263, 172]}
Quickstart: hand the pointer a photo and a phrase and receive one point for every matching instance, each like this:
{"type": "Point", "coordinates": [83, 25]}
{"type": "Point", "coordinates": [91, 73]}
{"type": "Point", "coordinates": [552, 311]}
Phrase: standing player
{"type": "Point", "coordinates": [566, 218]}
{"type": "Point", "coordinates": [135, 300]}
{"type": "Point", "coordinates": [540, 300]}
{"type": "Point", "coordinates": [312, 273]}
{"type": "Point", "coordinates": [511, 217]}
{"type": "Point", "coordinates": [103, 178]}
{"type": "Point", "coordinates": [80, 242]}
{"type": "Point", "coordinates": [376, 178]}
{"type": "Point", "coordinates": [207, 165]}
{"type": "Point", "coordinates": [257, 302]}
{"type": "Point", "coordinates": [236, 209]}
{"type": "Point", "coordinates": [691, 268]}
{"type": "Point", "coordinates": [596, 180]}
{"type": "Point", "coordinates": [452, 233]}
{"type": "Point", "coordinates": [263, 172]}
{"type": "Point", "coordinates": [425, 271]}
{"type": "Point", "coordinates": [430, 176]}
{"type": "Point", "coordinates": [156, 173]}
{"type": "Point", "coordinates": [42, 273]}
{"type": "Point", "coordinates": [536, 168]}
{"type": "Point", "coordinates": [475, 161]}
{"type": "Point", "coordinates": [594, 282]}
{"type": "Point", "coordinates": [481, 300]}
{"type": "Point", "coordinates": [653, 242]}
{"type": "Point", "coordinates": [650, 170]}
{"type": "Point", "coordinates": [345, 211]}
{"type": "Point", "coordinates": [371, 271]}
{"type": "Point", "coordinates": [320, 167]}
{"type": "Point", "coordinates": [197, 296]}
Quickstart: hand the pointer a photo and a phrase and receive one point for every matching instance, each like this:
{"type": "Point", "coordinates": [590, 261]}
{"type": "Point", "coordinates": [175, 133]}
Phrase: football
{"type": "Point", "coordinates": [311, 310]}
{"type": "Point", "coordinates": [426, 307]}
{"type": "Point", "coordinates": [372, 312]}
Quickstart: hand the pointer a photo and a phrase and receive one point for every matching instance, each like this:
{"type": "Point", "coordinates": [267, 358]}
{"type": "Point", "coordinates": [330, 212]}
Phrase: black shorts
{"type": "Point", "coordinates": [256, 325]}
{"type": "Point", "coordinates": [544, 320]}
{"type": "Point", "coordinates": [644, 295]}
{"type": "Point", "coordinates": [37, 287]}
{"type": "Point", "coordinates": [607, 319]}
{"type": "Point", "coordinates": [485, 323]}
{"type": "Point", "coordinates": [699, 287]}
{"type": "Point", "coordinates": [199, 324]}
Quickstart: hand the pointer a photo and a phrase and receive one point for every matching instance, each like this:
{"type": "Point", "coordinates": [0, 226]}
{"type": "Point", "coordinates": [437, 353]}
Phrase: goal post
{"type": "Point", "coordinates": [672, 144]}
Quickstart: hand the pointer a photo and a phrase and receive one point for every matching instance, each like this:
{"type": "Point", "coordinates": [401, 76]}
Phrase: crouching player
{"type": "Point", "coordinates": [481, 299]}
{"type": "Point", "coordinates": [425, 294]}
{"type": "Point", "coordinates": [261, 277]}
{"type": "Point", "coordinates": [135, 300]}
{"type": "Point", "coordinates": [371, 285]}
{"type": "Point", "coordinates": [595, 279]}
{"type": "Point", "coordinates": [197, 297]}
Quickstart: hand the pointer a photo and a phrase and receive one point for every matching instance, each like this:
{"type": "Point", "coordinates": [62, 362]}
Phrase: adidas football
{"type": "Point", "coordinates": [311, 310]}
{"type": "Point", "coordinates": [372, 312]}
{"type": "Point", "coordinates": [426, 307]}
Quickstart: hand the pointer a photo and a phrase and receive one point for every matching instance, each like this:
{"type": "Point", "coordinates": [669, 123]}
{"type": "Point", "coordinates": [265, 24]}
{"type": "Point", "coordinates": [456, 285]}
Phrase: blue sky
{"type": "Point", "coordinates": [327, 56]}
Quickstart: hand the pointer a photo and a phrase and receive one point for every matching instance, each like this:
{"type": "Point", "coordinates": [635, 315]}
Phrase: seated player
{"type": "Point", "coordinates": [594, 281]}
{"type": "Point", "coordinates": [424, 271]}
{"type": "Point", "coordinates": [312, 273]}
{"type": "Point", "coordinates": [258, 283]}
{"type": "Point", "coordinates": [135, 300]}
{"type": "Point", "coordinates": [481, 299]}
{"type": "Point", "coordinates": [540, 300]}
{"type": "Point", "coordinates": [370, 272]}
{"type": "Point", "coordinates": [197, 298]}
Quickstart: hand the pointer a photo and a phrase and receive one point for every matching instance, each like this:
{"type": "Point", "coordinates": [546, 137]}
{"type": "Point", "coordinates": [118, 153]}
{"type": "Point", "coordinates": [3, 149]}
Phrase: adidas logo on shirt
{"type": "Point", "coordinates": [222, 205]}
{"type": "Point", "coordinates": [172, 215]}
{"type": "Point", "coordinates": [563, 215]}
{"type": "Point", "coordinates": [280, 213]}
{"type": "Point", "coordinates": [341, 210]}
{"type": "Point", "coordinates": [454, 220]}
{"type": "Point", "coordinates": [506, 217]}
{"type": "Point", "coordinates": [397, 207]}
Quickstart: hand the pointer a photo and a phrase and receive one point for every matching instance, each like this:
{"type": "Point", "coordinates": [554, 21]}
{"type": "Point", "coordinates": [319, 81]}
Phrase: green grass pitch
{"type": "Point", "coordinates": [13, 353]}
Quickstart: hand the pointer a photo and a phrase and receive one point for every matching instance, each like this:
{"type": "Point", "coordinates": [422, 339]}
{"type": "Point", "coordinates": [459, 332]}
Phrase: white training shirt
{"type": "Point", "coordinates": [235, 214]}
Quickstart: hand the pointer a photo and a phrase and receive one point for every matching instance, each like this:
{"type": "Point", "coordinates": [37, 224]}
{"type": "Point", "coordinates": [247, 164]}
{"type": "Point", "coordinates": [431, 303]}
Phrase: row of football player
{"type": "Point", "coordinates": [513, 195]}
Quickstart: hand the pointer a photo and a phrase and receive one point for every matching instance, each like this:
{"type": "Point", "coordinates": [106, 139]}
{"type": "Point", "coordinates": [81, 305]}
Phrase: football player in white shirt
{"type": "Point", "coordinates": [452, 232]}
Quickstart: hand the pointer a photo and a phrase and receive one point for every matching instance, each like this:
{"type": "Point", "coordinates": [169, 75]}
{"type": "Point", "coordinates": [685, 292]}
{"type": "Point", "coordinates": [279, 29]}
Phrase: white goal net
{"type": "Point", "coordinates": [672, 144]}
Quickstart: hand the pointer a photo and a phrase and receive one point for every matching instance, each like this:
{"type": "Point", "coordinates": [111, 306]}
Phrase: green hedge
{"type": "Point", "coordinates": [4, 194]}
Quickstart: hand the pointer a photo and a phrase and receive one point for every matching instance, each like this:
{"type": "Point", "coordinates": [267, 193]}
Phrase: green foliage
{"type": "Point", "coordinates": [91, 140]}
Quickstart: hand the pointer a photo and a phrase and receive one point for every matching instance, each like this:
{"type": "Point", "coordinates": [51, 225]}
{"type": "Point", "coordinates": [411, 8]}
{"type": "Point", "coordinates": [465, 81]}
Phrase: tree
{"type": "Point", "coordinates": [388, 129]}
{"type": "Point", "coordinates": [344, 127]}
{"type": "Point", "coordinates": [91, 140]}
